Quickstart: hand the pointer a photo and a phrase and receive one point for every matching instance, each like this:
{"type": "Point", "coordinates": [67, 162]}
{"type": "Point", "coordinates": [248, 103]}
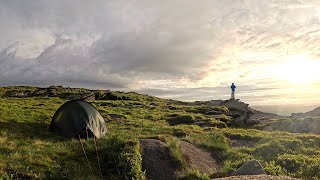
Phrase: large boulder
{"type": "Point", "coordinates": [238, 110]}
{"type": "Point", "coordinates": [251, 167]}
{"type": "Point", "coordinates": [157, 160]}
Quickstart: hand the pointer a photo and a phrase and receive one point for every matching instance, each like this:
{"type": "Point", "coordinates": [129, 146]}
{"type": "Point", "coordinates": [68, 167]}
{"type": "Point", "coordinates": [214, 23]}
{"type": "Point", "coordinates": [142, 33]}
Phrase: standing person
{"type": "Point", "coordinates": [233, 89]}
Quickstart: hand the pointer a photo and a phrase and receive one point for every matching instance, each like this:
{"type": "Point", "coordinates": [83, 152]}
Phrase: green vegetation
{"type": "Point", "coordinates": [194, 175]}
{"type": "Point", "coordinates": [173, 145]}
{"type": "Point", "coordinates": [28, 150]}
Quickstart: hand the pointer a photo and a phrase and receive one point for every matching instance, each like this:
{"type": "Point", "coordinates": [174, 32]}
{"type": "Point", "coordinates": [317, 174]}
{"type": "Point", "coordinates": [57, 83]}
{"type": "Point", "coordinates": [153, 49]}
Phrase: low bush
{"type": "Point", "coordinates": [300, 166]}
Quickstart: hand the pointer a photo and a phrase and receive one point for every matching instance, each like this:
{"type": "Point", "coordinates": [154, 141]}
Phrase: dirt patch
{"type": "Point", "coordinates": [257, 177]}
{"type": "Point", "coordinates": [198, 158]}
{"type": "Point", "coordinates": [157, 161]}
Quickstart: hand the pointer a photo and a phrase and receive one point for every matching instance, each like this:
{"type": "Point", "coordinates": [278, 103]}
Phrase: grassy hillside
{"type": "Point", "coordinates": [28, 150]}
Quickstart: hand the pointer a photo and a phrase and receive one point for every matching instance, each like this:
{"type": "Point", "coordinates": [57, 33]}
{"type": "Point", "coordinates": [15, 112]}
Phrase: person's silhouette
{"type": "Point", "coordinates": [233, 89]}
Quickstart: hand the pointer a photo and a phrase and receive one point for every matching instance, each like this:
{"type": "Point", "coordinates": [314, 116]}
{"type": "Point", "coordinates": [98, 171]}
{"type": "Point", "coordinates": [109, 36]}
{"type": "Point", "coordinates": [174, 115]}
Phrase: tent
{"type": "Point", "coordinates": [78, 118]}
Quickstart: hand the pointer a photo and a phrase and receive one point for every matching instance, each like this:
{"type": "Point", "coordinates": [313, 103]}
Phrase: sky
{"type": "Point", "coordinates": [179, 49]}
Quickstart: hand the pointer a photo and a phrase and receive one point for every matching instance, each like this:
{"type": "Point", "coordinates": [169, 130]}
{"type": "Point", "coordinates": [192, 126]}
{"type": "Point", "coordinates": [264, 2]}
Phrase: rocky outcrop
{"type": "Point", "coordinates": [84, 96]}
{"type": "Point", "coordinates": [251, 167]}
{"type": "Point", "coordinates": [63, 93]}
{"type": "Point", "coordinates": [17, 94]}
{"type": "Point", "coordinates": [240, 111]}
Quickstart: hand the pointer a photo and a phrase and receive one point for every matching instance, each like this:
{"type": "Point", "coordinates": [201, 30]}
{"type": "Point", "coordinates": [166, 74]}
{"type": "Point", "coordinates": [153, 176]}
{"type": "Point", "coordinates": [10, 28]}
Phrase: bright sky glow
{"type": "Point", "coordinates": [300, 70]}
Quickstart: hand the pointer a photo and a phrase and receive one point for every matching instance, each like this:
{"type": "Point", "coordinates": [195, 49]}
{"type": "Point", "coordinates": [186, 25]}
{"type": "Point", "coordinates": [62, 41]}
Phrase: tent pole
{"type": "Point", "coordinates": [84, 152]}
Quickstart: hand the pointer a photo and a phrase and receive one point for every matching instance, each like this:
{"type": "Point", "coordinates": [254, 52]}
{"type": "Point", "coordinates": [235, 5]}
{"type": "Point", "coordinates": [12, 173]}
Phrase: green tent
{"type": "Point", "coordinates": [78, 118]}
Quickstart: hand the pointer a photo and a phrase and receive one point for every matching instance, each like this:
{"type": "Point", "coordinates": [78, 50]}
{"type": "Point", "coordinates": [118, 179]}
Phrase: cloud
{"type": "Point", "coordinates": [180, 49]}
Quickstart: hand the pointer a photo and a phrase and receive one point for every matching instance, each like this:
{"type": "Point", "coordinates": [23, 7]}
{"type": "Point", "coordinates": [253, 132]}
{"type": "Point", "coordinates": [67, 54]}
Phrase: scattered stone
{"type": "Point", "coordinates": [251, 167]}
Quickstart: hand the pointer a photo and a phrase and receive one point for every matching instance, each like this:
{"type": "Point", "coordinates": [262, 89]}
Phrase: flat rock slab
{"type": "Point", "coordinates": [157, 161]}
{"type": "Point", "coordinates": [198, 158]}
{"type": "Point", "coordinates": [257, 177]}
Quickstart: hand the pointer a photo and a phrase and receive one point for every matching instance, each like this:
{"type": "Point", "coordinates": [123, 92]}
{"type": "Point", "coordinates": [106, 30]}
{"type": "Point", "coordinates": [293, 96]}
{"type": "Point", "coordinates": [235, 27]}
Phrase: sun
{"type": "Point", "coordinates": [298, 70]}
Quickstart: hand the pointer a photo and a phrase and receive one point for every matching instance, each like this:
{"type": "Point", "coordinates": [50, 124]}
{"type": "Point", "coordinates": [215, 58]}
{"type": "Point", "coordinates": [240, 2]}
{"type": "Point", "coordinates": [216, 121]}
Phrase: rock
{"type": "Point", "coordinates": [18, 94]}
{"type": "Point", "coordinates": [251, 167]}
{"type": "Point", "coordinates": [88, 97]}
{"type": "Point", "coordinates": [157, 161]}
{"type": "Point", "coordinates": [235, 104]}
{"type": "Point", "coordinates": [268, 128]}
{"type": "Point", "coordinates": [40, 92]}
{"type": "Point", "coordinates": [215, 102]}
{"type": "Point", "coordinates": [238, 110]}
{"type": "Point", "coordinates": [84, 97]}
{"type": "Point", "coordinates": [101, 94]}
{"type": "Point", "coordinates": [46, 92]}
{"type": "Point", "coordinates": [199, 158]}
{"type": "Point", "coordinates": [55, 87]}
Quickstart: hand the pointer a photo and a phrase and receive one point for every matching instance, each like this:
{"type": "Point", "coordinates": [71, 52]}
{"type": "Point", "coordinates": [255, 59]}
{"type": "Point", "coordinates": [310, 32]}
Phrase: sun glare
{"type": "Point", "coordinates": [298, 70]}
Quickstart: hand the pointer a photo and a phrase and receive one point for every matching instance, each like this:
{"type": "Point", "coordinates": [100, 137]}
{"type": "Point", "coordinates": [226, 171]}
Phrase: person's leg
{"type": "Point", "coordinates": [232, 94]}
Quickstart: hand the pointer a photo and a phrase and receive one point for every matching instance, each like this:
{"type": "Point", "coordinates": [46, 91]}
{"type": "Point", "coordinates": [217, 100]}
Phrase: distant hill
{"type": "Point", "coordinates": [309, 114]}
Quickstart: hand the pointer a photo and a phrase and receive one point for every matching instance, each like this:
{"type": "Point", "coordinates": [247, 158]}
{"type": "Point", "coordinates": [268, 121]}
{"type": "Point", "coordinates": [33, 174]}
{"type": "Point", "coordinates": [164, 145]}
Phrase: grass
{"type": "Point", "coordinates": [173, 145]}
{"type": "Point", "coordinates": [24, 138]}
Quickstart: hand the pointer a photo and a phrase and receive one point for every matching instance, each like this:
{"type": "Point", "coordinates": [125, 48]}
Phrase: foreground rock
{"type": "Point", "coordinates": [198, 158]}
{"type": "Point", "coordinates": [157, 161]}
{"type": "Point", "coordinates": [252, 167]}
{"type": "Point", "coordinates": [257, 177]}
